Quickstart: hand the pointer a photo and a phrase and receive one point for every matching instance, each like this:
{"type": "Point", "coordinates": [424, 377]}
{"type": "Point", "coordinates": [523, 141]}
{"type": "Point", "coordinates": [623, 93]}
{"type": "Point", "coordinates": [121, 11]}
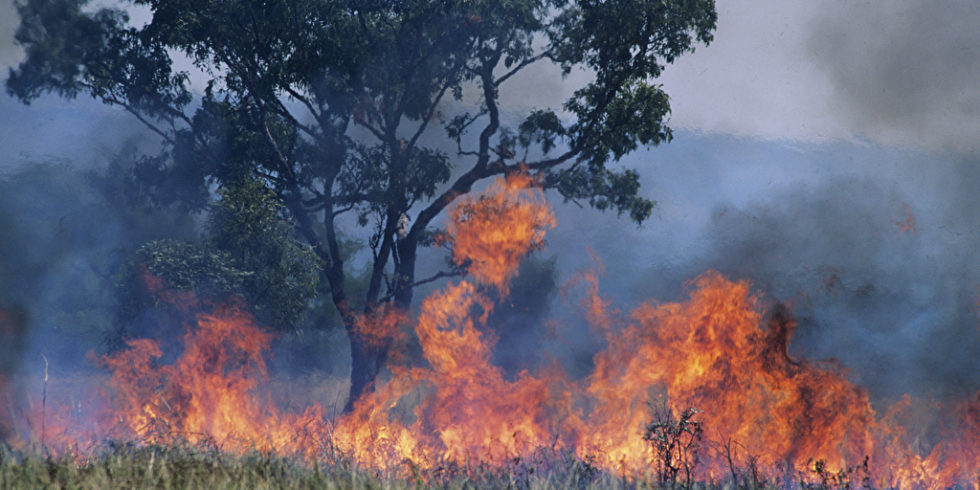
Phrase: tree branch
{"type": "Point", "coordinates": [428, 114]}
{"type": "Point", "coordinates": [339, 211]}
{"type": "Point", "coordinates": [520, 66]}
{"type": "Point", "coordinates": [480, 170]}
{"type": "Point", "coordinates": [306, 102]}
{"type": "Point", "coordinates": [549, 163]}
{"type": "Point", "coordinates": [380, 260]}
{"type": "Point", "coordinates": [359, 121]}
{"type": "Point", "coordinates": [467, 122]}
{"type": "Point", "coordinates": [434, 277]}
{"type": "Point", "coordinates": [490, 99]}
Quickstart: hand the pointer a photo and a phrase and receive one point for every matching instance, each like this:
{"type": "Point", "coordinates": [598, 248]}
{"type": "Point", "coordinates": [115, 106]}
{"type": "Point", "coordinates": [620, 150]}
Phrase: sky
{"type": "Point", "coordinates": [809, 136]}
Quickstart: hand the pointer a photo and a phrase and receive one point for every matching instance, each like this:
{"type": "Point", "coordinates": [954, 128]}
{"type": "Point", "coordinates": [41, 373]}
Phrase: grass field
{"type": "Point", "coordinates": [161, 467]}
{"type": "Point", "coordinates": [175, 467]}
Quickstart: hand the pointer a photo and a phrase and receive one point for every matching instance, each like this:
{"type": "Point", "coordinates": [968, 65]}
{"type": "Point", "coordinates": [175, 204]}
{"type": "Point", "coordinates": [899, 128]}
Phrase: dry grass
{"type": "Point", "coordinates": [182, 467]}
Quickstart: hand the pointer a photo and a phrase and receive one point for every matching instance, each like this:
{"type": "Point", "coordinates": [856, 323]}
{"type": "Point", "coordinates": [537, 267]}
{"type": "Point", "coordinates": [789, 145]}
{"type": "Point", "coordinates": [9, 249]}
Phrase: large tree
{"type": "Point", "coordinates": [330, 104]}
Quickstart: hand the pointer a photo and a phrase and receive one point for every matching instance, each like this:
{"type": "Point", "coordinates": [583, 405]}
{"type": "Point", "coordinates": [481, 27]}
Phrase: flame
{"type": "Point", "coordinates": [209, 394]}
{"type": "Point", "coordinates": [467, 410]}
{"type": "Point", "coordinates": [710, 353]}
{"type": "Point", "coordinates": [495, 231]}
{"type": "Point", "coordinates": [721, 351]}
{"type": "Point", "coordinates": [382, 327]}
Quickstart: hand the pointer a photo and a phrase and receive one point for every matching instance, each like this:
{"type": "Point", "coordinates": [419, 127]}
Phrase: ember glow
{"type": "Point", "coordinates": [724, 351]}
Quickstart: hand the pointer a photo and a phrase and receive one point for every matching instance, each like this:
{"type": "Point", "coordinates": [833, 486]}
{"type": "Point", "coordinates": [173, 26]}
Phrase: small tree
{"type": "Point", "coordinates": [818, 476]}
{"type": "Point", "coordinates": [282, 276]}
{"type": "Point", "coordinates": [676, 442]}
{"type": "Point", "coordinates": [249, 250]}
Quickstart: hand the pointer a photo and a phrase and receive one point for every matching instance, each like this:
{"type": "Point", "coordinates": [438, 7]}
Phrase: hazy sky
{"type": "Point", "coordinates": [898, 72]}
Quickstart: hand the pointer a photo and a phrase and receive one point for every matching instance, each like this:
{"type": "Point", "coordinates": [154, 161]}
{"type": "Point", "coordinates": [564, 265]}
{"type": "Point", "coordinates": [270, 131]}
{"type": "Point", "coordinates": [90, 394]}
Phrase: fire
{"type": "Point", "coordinates": [718, 361]}
{"type": "Point", "coordinates": [208, 395]}
{"type": "Point", "coordinates": [907, 225]}
{"type": "Point", "coordinates": [468, 411]}
{"type": "Point", "coordinates": [710, 353]}
{"type": "Point", "coordinates": [495, 231]}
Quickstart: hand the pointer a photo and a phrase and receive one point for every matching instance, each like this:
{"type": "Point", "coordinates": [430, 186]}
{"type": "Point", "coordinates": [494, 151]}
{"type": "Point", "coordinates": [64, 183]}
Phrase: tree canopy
{"type": "Point", "coordinates": [332, 105]}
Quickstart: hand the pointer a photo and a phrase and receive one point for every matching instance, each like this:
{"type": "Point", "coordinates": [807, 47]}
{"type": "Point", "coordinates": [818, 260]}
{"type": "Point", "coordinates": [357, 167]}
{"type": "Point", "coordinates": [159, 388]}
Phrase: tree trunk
{"type": "Point", "coordinates": [405, 273]}
{"type": "Point", "coordinates": [367, 361]}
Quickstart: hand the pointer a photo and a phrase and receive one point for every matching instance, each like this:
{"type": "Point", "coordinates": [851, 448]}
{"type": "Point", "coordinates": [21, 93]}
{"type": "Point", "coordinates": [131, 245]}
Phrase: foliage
{"type": "Point", "coordinates": [250, 251]}
{"type": "Point", "coordinates": [185, 266]}
{"type": "Point", "coordinates": [127, 466]}
{"type": "Point", "coordinates": [282, 274]}
{"type": "Point", "coordinates": [171, 467]}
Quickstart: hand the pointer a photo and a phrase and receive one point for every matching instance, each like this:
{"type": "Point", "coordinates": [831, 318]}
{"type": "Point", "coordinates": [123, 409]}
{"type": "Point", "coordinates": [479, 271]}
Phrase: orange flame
{"type": "Point", "coordinates": [719, 351]}
{"type": "Point", "coordinates": [467, 410]}
{"type": "Point", "coordinates": [494, 231]}
{"type": "Point", "coordinates": [209, 393]}
{"type": "Point", "coordinates": [382, 327]}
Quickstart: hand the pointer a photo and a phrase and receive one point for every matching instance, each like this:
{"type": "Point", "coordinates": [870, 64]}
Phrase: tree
{"type": "Point", "coordinates": [281, 273]}
{"type": "Point", "coordinates": [249, 251]}
{"type": "Point", "coordinates": [329, 104]}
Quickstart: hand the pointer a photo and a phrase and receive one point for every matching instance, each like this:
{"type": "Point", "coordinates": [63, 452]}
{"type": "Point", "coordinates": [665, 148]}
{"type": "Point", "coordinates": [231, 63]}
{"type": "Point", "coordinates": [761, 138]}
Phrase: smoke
{"type": "Point", "coordinates": [818, 225]}
{"type": "Point", "coordinates": [897, 305]}
{"type": "Point", "coordinates": [82, 132]}
{"type": "Point", "coordinates": [67, 237]}
{"type": "Point", "coordinates": [894, 304]}
{"type": "Point", "coordinates": [10, 53]}
{"type": "Point", "coordinates": [12, 337]}
{"type": "Point", "coordinates": [903, 73]}
{"type": "Point", "coordinates": [872, 249]}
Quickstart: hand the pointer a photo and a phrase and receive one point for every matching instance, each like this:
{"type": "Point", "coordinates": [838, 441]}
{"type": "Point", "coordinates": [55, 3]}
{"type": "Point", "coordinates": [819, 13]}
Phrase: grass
{"type": "Point", "coordinates": [164, 467]}
{"type": "Point", "coordinates": [172, 467]}
{"type": "Point", "coordinates": [183, 467]}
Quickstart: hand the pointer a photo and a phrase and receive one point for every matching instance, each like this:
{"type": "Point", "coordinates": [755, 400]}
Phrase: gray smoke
{"type": "Point", "coordinates": [903, 72]}
{"type": "Point", "coordinates": [872, 249]}
{"type": "Point", "coordinates": [897, 306]}
{"type": "Point", "coordinates": [901, 309]}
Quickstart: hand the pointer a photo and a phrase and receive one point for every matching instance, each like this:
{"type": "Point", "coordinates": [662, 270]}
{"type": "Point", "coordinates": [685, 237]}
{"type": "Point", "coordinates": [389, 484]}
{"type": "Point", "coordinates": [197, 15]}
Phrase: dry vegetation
{"type": "Point", "coordinates": [183, 467]}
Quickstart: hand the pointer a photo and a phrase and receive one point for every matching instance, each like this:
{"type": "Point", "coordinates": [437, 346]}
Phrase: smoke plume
{"type": "Point", "coordinates": [905, 74]}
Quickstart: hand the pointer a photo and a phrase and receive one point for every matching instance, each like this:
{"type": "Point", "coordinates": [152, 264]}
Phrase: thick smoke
{"type": "Point", "coordinates": [872, 283]}
{"type": "Point", "coordinates": [903, 72]}
{"type": "Point", "coordinates": [59, 258]}
{"type": "Point", "coordinates": [872, 249]}
{"type": "Point", "coordinates": [900, 309]}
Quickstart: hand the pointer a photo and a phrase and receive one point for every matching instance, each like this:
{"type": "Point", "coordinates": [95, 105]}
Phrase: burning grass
{"type": "Point", "coordinates": [738, 407]}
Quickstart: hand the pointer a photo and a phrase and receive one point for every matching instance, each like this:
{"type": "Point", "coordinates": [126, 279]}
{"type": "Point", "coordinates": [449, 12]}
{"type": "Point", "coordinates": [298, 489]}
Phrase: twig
{"type": "Point", "coordinates": [44, 403]}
